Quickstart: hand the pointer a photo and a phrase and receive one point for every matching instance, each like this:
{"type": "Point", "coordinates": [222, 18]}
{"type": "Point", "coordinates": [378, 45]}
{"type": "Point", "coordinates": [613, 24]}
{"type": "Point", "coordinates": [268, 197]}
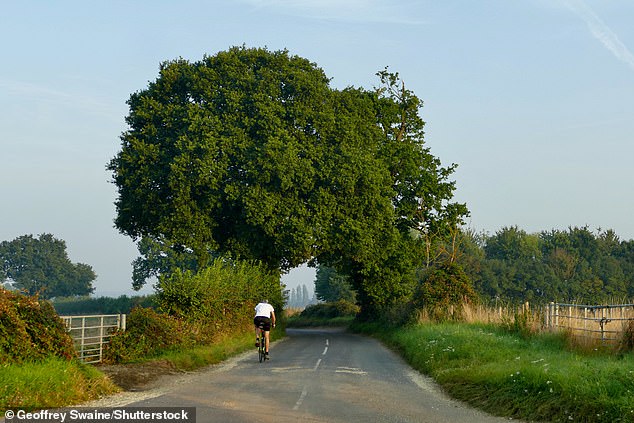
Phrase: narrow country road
{"type": "Point", "coordinates": [316, 376]}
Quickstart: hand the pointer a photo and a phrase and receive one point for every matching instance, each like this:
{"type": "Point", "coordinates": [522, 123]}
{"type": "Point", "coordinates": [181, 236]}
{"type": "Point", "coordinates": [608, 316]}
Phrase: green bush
{"type": "Point", "coordinates": [341, 308]}
{"type": "Point", "coordinates": [197, 309]}
{"type": "Point", "coordinates": [226, 291]}
{"type": "Point", "coordinates": [31, 330]}
{"type": "Point", "coordinates": [443, 287]}
{"type": "Point", "coordinates": [148, 334]}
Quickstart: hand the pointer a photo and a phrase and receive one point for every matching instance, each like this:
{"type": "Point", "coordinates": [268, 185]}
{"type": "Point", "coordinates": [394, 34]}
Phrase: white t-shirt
{"type": "Point", "coordinates": [264, 310]}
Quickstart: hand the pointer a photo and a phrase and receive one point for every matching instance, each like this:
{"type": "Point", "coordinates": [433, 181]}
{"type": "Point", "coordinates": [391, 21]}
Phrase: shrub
{"type": "Point", "coordinates": [31, 330]}
{"type": "Point", "coordinates": [196, 309]}
{"type": "Point", "coordinates": [226, 291]}
{"type": "Point", "coordinates": [443, 290]}
{"type": "Point", "coordinates": [148, 334]}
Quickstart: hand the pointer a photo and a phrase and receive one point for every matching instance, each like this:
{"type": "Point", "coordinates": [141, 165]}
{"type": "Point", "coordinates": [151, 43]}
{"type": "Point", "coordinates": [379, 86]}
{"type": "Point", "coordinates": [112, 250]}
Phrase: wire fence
{"type": "Point", "coordinates": [604, 322]}
{"type": "Point", "coordinates": [91, 333]}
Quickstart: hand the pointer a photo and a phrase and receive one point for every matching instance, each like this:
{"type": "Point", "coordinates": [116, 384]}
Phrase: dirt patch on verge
{"type": "Point", "coordinates": [136, 377]}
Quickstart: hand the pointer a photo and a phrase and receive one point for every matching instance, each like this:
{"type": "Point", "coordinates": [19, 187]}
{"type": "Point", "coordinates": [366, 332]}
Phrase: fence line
{"type": "Point", "coordinates": [605, 322]}
{"type": "Point", "coordinates": [90, 333]}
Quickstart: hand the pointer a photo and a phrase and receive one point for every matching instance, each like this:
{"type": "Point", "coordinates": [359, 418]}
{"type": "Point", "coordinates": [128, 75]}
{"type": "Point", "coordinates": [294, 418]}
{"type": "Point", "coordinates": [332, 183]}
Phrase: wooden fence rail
{"type": "Point", "coordinates": [91, 333]}
{"type": "Point", "coordinates": [604, 322]}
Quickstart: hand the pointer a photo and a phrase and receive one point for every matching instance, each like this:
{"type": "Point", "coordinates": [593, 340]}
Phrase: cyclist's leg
{"type": "Point", "coordinates": [257, 335]}
{"type": "Point", "coordinates": [266, 336]}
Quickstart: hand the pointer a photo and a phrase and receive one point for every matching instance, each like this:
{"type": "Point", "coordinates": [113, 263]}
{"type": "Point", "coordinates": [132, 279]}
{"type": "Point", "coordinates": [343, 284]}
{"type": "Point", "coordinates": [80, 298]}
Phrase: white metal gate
{"type": "Point", "coordinates": [91, 333]}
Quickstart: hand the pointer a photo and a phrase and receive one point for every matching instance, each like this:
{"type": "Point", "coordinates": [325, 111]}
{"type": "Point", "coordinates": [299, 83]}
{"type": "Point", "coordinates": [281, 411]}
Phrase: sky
{"type": "Point", "coordinates": [532, 99]}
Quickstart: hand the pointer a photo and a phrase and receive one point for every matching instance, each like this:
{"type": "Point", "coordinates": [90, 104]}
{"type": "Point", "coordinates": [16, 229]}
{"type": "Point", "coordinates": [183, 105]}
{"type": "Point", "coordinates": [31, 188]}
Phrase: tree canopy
{"type": "Point", "coordinates": [41, 266]}
{"type": "Point", "coordinates": [251, 153]}
{"type": "Point", "coordinates": [331, 286]}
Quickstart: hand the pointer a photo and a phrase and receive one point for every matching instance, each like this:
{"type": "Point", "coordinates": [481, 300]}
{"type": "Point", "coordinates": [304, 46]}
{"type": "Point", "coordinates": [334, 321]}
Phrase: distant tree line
{"type": "Point", "coordinates": [101, 305]}
{"type": "Point", "coordinates": [300, 297]}
{"type": "Point", "coordinates": [575, 265]}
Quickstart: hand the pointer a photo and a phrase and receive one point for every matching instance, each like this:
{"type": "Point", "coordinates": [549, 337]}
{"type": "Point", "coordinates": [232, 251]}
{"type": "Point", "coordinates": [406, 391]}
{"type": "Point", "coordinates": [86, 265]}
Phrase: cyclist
{"type": "Point", "coordinates": [264, 318]}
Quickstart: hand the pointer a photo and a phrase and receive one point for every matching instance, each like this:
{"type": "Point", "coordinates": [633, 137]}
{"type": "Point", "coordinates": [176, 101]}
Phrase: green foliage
{"type": "Point", "coordinates": [31, 330]}
{"type": "Point", "coordinates": [225, 152]}
{"type": "Point", "coordinates": [341, 308]}
{"type": "Point", "coordinates": [41, 266]}
{"type": "Point", "coordinates": [51, 383]}
{"type": "Point", "coordinates": [158, 257]}
{"type": "Point", "coordinates": [443, 286]}
{"type": "Point", "coordinates": [101, 305]}
{"type": "Point", "coordinates": [338, 313]}
{"type": "Point", "coordinates": [205, 355]}
{"type": "Point", "coordinates": [148, 334]}
{"type": "Point", "coordinates": [331, 286]}
{"type": "Point", "coordinates": [250, 153]}
{"type": "Point", "coordinates": [512, 243]}
{"type": "Point", "coordinates": [576, 265]}
{"type": "Point", "coordinates": [225, 291]}
{"type": "Point", "coordinates": [197, 309]}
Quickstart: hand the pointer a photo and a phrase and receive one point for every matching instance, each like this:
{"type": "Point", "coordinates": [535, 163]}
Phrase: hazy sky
{"type": "Point", "coordinates": [533, 99]}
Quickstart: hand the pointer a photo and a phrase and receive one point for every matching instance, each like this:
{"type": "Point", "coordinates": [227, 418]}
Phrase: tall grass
{"type": "Point", "coordinates": [574, 324]}
{"type": "Point", "coordinates": [50, 383]}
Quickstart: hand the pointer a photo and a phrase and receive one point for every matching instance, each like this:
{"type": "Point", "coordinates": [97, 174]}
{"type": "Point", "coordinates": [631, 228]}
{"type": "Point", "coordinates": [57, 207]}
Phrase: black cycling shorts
{"type": "Point", "coordinates": [262, 322]}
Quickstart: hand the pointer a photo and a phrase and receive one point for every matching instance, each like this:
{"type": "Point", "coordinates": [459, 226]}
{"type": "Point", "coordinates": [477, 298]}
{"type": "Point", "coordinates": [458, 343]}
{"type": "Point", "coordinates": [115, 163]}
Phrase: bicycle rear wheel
{"type": "Point", "coordinates": [261, 352]}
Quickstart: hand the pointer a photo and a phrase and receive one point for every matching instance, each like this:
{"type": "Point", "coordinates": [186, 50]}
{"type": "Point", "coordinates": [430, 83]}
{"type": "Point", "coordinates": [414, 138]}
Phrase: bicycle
{"type": "Point", "coordinates": [262, 345]}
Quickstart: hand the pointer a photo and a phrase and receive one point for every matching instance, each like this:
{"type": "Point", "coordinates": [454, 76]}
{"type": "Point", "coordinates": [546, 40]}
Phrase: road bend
{"type": "Point", "coordinates": [317, 376]}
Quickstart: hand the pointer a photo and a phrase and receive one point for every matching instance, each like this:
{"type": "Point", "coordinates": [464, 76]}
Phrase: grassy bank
{"type": "Point", "coordinates": [51, 383]}
{"type": "Point", "coordinates": [532, 378]}
{"type": "Point", "coordinates": [202, 356]}
{"type": "Point", "coordinates": [55, 383]}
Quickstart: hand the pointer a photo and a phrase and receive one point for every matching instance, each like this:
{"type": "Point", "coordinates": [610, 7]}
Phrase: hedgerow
{"type": "Point", "coordinates": [31, 330]}
{"type": "Point", "coordinates": [101, 305]}
{"type": "Point", "coordinates": [196, 309]}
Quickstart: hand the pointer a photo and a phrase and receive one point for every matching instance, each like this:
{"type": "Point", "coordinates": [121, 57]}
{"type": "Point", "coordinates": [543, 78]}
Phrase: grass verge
{"type": "Point", "coordinates": [532, 378]}
{"type": "Point", "coordinates": [51, 383]}
{"type": "Point", "coordinates": [206, 355]}
{"type": "Point", "coordinates": [55, 383]}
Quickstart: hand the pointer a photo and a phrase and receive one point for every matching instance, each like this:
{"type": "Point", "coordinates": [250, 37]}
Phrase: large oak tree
{"type": "Point", "coordinates": [251, 153]}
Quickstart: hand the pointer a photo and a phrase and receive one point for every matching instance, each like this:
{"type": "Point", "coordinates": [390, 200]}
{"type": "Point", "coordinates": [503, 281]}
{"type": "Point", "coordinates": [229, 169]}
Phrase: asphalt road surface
{"type": "Point", "coordinates": [316, 376]}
